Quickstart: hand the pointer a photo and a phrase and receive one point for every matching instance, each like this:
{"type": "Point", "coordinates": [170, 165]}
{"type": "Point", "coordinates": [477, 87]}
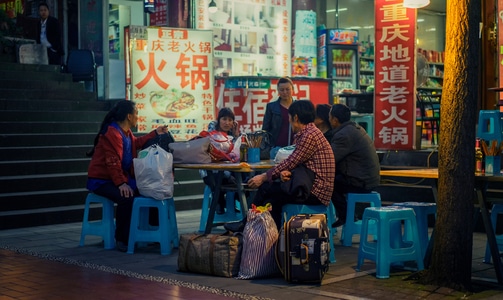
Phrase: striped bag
{"type": "Point", "coordinates": [259, 237]}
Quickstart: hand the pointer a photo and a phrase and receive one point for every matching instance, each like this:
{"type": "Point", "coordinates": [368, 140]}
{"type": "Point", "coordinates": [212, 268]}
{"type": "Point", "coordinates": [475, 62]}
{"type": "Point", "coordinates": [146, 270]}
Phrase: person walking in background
{"type": "Point", "coordinates": [49, 34]}
{"type": "Point", "coordinates": [276, 117]}
{"type": "Point", "coordinates": [322, 120]}
{"type": "Point", "coordinates": [312, 151]}
{"type": "Point", "coordinates": [110, 172]}
{"type": "Point", "coordinates": [356, 158]}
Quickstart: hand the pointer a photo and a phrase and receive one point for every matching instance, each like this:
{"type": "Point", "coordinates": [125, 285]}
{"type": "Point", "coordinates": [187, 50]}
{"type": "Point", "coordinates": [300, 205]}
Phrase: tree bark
{"type": "Point", "coordinates": [452, 251]}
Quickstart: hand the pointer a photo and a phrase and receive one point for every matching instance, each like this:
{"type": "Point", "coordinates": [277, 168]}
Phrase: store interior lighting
{"type": "Point", "coordinates": [212, 8]}
{"type": "Point", "coordinates": [415, 3]}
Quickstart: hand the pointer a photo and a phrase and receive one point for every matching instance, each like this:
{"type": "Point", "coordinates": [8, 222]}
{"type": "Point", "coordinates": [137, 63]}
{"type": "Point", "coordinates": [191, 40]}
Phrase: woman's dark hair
{"type": "Point", "coordinates": [118, 113]}
{"type": "Point", "coordinates": [322, 112]}
{"type": "Point", "coordinates": [224, 112]}
{"type": "Point", "coordinates": [285, 80]}
{"type": "Point", "coordinates": [341, 112]}
{"type": "Point", "coordinates": [304, 109]}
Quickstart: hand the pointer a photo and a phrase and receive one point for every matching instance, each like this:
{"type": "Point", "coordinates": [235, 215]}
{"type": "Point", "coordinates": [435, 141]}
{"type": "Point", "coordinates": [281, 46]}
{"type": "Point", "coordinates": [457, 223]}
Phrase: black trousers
{"type": "Point", "coordinates": [123, 211]}
{"type": "Point", "coordinates": [271, 192]}
{"type": "Point", "coordinates": [339, 197]}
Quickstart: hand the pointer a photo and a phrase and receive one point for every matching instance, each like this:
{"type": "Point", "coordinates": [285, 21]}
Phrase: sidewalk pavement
{"type": "Point", "coordinates": [59, 244]}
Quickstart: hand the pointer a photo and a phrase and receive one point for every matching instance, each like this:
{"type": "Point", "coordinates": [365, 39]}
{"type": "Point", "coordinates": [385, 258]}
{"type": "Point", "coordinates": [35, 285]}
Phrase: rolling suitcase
{"type": "Point", "coordinates": [303, 248]}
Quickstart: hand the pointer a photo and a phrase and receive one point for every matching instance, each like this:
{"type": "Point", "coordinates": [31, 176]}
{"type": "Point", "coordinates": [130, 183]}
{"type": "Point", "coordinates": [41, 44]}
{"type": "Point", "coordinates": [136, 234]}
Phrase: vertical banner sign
{"type": "Point", "coordinates": [160, 16]}
{"type": "Point", "coordinates": [248, 97]}
{"type": "Point", "coordinates": [172, 79]}
{"type": "Point", "coordinates": [395, 75]}
{"type": "Point", "coordinates": [250, 37]}
{"type": "Point", "coordinates": [91, 28]}
{"type": "Point", "coordinates": [500, 47]}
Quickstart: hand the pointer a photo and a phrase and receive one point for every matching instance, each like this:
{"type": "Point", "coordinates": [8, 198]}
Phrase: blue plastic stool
{"type": "Point", "coordinates": [367, 122]}
{"type": "Point", "coordinates": [422, 210]}
{"type": "Point", "coordinates": [105, 227]}
{"type": "Point", "coordinates": [166, 234]}
{"type": "Point", "coordinates": [295, 209]}
{"type": "Point", "coordinates": [495, 211]}
{"type": "Point", "coordinates": [230, 214]}
{"type": "Point", "coordinates": [391, 245]}
{"type": "Point", "coordinates": [353, 227]}
{"type": "Point", "coordinates": [490, 125]}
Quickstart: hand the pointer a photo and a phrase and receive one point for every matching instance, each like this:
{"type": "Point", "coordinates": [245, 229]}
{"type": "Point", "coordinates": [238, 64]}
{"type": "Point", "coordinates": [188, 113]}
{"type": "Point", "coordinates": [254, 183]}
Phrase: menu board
{"type": "Point", "coordinates": [249, 37]}
{"type": "Point", "coordinates": [172, 79]}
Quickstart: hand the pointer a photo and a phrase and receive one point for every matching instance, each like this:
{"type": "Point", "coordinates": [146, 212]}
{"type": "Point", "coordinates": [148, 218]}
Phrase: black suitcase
{"type": "Point", "coordinates": [303, 248]}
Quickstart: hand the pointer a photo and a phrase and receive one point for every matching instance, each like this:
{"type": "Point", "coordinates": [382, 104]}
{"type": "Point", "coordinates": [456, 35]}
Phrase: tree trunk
{"type": "Point", "coordinates": [452, 251]}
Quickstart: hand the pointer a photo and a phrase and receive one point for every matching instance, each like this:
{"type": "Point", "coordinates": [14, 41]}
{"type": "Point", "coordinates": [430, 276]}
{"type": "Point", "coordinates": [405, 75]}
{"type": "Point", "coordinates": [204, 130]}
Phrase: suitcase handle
{"type": "Point", "coordinates": [304, 253]}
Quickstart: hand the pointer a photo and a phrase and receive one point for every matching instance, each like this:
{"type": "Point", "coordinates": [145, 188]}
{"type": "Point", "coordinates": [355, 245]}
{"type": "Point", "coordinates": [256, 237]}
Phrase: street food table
{"type": "Point", "coordinates": [221, 167]}
{"type": "Point", "coordinates": [481, 183]}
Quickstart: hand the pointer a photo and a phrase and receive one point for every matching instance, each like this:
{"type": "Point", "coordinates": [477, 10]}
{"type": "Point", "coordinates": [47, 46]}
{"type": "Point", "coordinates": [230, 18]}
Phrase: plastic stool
{"type": "Point", "coordinates": [105, 227]}
{"type": "Point", "coordinates": [390, 246]}
{"type": "Point", "coordinates": [422, 210]}
{"type": "Point", "coordinates": [230, 214]}
{"type": "Point", "coordinates": [495, 211]}
{"type": "Point", "coordinates": [295, 209]}
{"type": "Point", "coordinates": [490, 125]}
{"type": "Point", "coordinates": [140, 231]}
{"type": "Point", "coordinates": [353, 227]}
{"type": "Point", "coordinates": [367, 122]}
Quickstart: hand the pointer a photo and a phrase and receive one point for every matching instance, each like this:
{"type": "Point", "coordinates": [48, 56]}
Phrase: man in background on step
{"type": "Point", "coordinates": [356, 158]}
{"type": "Point", "coordinates": [49, 35]}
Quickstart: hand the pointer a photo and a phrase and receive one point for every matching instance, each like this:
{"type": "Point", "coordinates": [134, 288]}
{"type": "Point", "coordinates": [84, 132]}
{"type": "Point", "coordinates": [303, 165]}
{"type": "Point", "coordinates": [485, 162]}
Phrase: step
{"type": "Point", "coordinates": [38, 75]}
{"type": "Point", "coordinates": [46, 139]}
{"type": "Point", "coordinates": [43, 152]}
{"type": "Point", "coordinates": [46, 115]}
{"type": "Point", "coordinates": [38, 167]}
{"type": "Point", "coordinates": [5, 66]}
{"type": "Point", "coordinates": [40, 94]}
{"type": "Point", "coordinates": [42, 84]}
{"type": "Point", "coordinates": [67, 104]}
{"type": "Point", "coordinates": [49, 127]}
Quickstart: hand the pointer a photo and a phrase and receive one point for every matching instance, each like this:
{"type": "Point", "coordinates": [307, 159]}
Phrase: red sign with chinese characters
{"type": "Point", "coordinates": [248, 100]}
{"type": "Point", "coordinates": [395, 75]}
{"type": "Point", "coordinates": [172, 79]}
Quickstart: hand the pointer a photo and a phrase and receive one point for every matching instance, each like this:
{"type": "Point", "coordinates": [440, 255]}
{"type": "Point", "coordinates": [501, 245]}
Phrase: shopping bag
{"type": "Point", "coordinates": [283, 153]}
{"type": "Point", "coordinates": [195, 151]}
{"type": "Point", "coordinates": [212, 254]}
{"type": "Point", "coordinates": [221, 146]}
{"type": "Point", "coordinates": [154, 173]}
{"type": "Point", "coordinates": [259, 238]}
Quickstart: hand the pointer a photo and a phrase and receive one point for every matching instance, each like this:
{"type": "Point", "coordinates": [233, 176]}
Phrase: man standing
{"type": "Point", "coordinates": [48, 34]}
{"type": "Point", "coordinates": [356, 157]}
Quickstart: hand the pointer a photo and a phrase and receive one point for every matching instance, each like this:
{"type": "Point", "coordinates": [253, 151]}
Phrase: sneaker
{"type": "Point", "coordinates": [121, 246]}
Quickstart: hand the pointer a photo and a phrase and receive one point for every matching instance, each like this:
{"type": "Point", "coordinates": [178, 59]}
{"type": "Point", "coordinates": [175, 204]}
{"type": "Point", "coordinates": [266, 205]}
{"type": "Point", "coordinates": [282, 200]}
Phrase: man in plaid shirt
{"type": "Point", "coordinates": [311, 150]}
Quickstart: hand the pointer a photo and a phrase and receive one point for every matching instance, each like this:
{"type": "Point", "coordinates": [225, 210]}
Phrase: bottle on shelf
{"type": "Point", "coordinates": [478, 157]}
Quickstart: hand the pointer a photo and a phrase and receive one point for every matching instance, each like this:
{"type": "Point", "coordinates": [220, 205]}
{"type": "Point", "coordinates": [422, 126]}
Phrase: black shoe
{"type": "Point", "coordinates": [220, 210]}
{"type": "Point", "coordinates": [338, 223]}
{"type": "Point", "coordinates": [235, 226]}
{"type": "Point", "coordinates": [121, 246]}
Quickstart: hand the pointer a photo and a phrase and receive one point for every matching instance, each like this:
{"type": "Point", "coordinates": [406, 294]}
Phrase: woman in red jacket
{"type": "Point", "coordinates": [110, 172]}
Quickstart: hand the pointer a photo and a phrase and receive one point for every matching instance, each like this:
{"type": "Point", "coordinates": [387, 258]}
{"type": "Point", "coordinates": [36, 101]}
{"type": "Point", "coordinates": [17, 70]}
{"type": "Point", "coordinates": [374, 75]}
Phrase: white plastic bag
{"type": "Point", "coordinates": [283, 153]}
{"type": "Point", "coordinates": [154, 173]}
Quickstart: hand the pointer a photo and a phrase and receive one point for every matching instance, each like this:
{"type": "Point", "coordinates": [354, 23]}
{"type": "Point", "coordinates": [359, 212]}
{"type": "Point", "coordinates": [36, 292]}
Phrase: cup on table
{"type": "Point", "coordinates": [253, 155]}
{"type": "Point", "coordinates": [493, 165]}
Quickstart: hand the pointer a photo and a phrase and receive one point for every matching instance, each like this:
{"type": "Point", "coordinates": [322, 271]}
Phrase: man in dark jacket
{"type": "Point", "coordinates": [48, 34]}
{"type": "Point", "coordinates": [356, 158]}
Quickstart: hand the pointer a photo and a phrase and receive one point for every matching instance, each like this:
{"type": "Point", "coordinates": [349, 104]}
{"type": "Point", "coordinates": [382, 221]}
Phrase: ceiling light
{"type": "Point", "coordinates": [415, 3]}
{"type": "Point", "coordinates": [212, 8]}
